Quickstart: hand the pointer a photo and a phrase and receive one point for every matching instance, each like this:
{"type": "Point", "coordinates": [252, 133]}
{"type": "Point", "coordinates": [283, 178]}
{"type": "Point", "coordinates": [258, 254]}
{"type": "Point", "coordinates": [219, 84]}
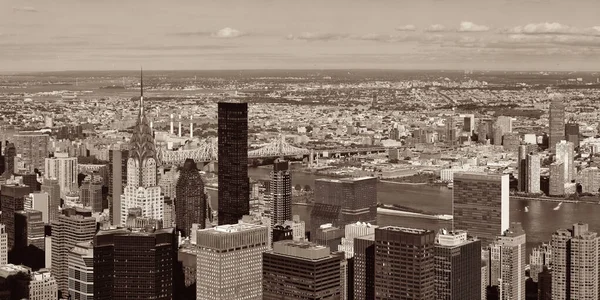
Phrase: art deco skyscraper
{"type": "Point", "coordinates": [234, 186]}
{"type": "Point", "coordinates": [190, 199]}
{"type": "Point", "coordinates": [281, 193]}
{"type": "Point", "coordinates": [142, 190]}
{"type": "Point", "coordinates": [575, 263]}
{"type": "Point", "coordinates": [481, 204]}
{"type": "Point", "coordinates": [457, 266]}
{"type": "Point", "coordinates": [557, 121]}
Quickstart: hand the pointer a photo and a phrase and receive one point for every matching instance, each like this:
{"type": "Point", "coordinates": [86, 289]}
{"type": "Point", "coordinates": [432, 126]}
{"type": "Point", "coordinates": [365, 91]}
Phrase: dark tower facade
{"type": "Point", "coordinates": [234, 187]}
{"type": "Point", "coordinates": [281, 193]}
{"type": "Point", "coordinates": [190, 199]}
{"type": "Point", "coordinates": [9, 160]}
{"type": "Point", "coordinates": [12, 199]}
{"type": "Point", "coordinates": [117, 180]}
{"type": "Point", "coordinates": [134, 265]}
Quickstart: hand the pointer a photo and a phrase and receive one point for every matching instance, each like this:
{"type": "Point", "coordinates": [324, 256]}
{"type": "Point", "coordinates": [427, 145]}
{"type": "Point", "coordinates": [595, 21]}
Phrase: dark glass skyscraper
{"type": "Point", "coordinates": [234, 187]}
{"type": "Point", "coordinates": [9, 160]}
{"type": "Point", "coordinates": [457, 267]}
{"type": "Point", "coordinates": [356, 196]}
{"type": "Point", "coordinates": [190, 199]}
{"type": "Point", "coordinates": [12, 199]}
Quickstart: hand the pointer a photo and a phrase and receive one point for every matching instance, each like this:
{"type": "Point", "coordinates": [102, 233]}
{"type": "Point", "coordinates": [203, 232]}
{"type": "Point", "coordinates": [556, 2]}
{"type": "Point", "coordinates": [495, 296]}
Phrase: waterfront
{"type": "Point", "coordinates": [539, 222]}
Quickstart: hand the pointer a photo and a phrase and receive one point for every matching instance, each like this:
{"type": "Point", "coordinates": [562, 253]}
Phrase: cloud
{"type": "Point", "coordinates": [408, 27]}
{"type": "Point", "coordinates": [228, 33]}
{"type": "Point", "coordinates": [554, 28]}
{"type": "Point", "coordinates": [466, 26]}
{"type": "Point", "coordinates": [436, 28]}
{"type": "Point", "coordinates": [317, 36]}
{"type": "Point", "coordinates": [25, 9]}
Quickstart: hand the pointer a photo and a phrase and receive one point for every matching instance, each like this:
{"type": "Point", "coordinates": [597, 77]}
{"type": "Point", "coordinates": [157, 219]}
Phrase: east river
{"type": "Point", "coordinates": [539, 222]}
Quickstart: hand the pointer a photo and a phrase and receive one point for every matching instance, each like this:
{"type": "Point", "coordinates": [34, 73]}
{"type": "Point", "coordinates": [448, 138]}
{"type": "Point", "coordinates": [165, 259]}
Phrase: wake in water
{"type": "Point", "coordinates": [558, 206]}
{"type": "Point", "coordinates": [526, 208]}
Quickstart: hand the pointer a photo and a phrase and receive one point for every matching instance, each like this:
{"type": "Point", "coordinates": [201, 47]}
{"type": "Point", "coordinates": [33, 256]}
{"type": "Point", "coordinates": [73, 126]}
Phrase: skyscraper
{"type": "Point", "coordinates": [364, 267]}
{"type": "Point", "coordinates": [90, 193]}
{"type": "Point", "coordinates": [229, 262]}
{"type": "Point", "coordinates": [52, 188]}
{"type": "Point", "coordinates": [564, 153]}
{"type": "Point", "coordinates": [3, 245]}
{"type": "Point", "coordinates": [72, 227]}
{"type": "Point", "coordinates": [117, 173]}
{"type": "Point", "coordinates": [540, 257]}
{"type": "Point", "coordinates": [281, 193]}
{"type": "Point", "coordinates": [590, 180]}
{"type": "Point", "coordinates": [508, 262]}
{"type": "Point", "coordinates": [234, 185]}
{"type": "Point", "coordinates": [135, 264]}
{"type": "Point", "coordinates": [572, 133]}
{"type": "Point", "coordinates": [404, 263]}
{"type": "Point", "coordinates": [481, 204]}
{"type": "Point", "coordinates": [190, 199]}
{"type": "Point", "coordinates": [9, 160]}
{"type": "Point", "coordinates": [29, 239]}
{"type": "Point", "coordinates": [557, 121]}
{"type": "Point", "coordinates": [81, 271]}
{"type": "Point", "coordinates": [12, 199]}
{"type": "Point", "coordinates": [505, 123]}
{"type": "Point", "coordinates": [33, 148]}
{"type": "Point", "coordinates": [316, 265]}
{"type": "Point", "coordinates": [557, 179]}
{"type": "Point", "coordinates": [522, 165]}
{"type": "Point", "coordinates": [533, 173]}
{"type": "Point", "coordinates": [575, 263]}
{"type": "Point", "coordinates": [357, 197]}
{"type": "Point", "coordinates": [457, 267]}
{"type": "Point", "coordinates": [64, 169]}
{"type": "Point", "coordinates": [142, 190]}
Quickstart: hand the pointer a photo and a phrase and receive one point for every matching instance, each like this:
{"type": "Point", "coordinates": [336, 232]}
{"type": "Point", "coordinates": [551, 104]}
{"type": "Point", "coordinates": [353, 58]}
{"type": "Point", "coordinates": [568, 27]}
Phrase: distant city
{"type": "Point", "coordinates": [316, 184]}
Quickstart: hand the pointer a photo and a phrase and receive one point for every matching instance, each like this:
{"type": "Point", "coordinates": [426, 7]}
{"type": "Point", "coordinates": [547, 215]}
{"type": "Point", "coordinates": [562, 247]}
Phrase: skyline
{"type": "Point", "coordinates": [263, 34]}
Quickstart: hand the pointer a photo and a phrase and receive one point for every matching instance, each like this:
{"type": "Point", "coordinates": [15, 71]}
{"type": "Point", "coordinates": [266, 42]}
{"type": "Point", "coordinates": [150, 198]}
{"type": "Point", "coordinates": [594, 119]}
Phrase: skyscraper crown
{"type": "Point", "coordinates": [142, 141]}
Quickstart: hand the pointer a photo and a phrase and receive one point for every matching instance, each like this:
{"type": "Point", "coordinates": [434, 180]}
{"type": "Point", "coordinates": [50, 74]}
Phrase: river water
{"type": "Point", "coordinates": [539, 222]}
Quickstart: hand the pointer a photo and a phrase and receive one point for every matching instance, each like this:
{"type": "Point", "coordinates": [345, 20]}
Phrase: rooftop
{"type": "Point", "coordinates": [406, 229]}
{"type": "Point", "coordinates": [223, 229]}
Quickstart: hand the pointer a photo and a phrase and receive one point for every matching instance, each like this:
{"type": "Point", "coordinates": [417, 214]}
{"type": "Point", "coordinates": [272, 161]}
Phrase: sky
{"type": "Point", "coordinates": [527, 35]}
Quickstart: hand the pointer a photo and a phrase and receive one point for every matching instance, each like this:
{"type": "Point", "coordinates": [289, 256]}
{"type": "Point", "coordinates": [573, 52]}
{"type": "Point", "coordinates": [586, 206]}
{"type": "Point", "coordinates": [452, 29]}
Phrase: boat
{"type": "Point", "coordinates": [558, 206]}
{"type": "Point", "coordinates": [526, 208]}
{"type": "Point", "coordinates": [450, 185]}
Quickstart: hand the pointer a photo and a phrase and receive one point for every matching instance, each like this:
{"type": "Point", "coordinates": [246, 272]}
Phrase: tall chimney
{"type": "Point", "coordinates": [172, 130]}
{"type": "Point", "coordinates": [179, 125]}
{"type": "Point", "coordinates": [151, 125]}
{"type": "Point", "coordinates": [191, 127]}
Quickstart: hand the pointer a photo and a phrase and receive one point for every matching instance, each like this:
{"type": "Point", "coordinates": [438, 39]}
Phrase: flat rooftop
{"type": "Point", "coordinates": [478, 176]}
{"type": "Point", "coordinates": [406, 229]}
{"type": "Point", "coordinates": [230, 228]}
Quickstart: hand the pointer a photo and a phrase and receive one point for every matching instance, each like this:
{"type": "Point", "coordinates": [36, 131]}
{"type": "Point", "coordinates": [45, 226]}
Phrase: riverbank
{"type": "Point", "coordinates": [557, 200]}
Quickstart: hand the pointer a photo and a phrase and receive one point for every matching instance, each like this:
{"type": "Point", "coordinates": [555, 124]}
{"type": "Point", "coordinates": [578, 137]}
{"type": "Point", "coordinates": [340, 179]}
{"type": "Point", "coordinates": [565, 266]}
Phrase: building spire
{"type": "Point", "coordinates": [141, 92]}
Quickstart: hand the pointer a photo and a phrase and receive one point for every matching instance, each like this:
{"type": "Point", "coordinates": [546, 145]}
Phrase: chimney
{"type": "Point", "coordinates": [179, 125]}
{"type": "Point", "coordinates": [191, 127]}
{"type": "Point", "coordinates": [172, 130]}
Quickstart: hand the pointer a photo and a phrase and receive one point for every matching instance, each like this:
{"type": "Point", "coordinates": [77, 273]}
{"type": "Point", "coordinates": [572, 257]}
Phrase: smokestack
{"type": "Point", "coordinates": [191, 127]}
{"type": "Point", "coordinates": [172, 130]}
{"type": "Point", "coordinates": [179, 125]}
{"type": "Point", "coordinates": [151, 125]}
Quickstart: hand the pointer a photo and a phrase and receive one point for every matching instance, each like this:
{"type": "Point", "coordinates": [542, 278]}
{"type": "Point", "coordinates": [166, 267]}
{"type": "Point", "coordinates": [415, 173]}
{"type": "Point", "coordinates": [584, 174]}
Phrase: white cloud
{"type": "Point", "coordinates": [227, 33]}
{"type": "Point", "coordinates": [543, 28]}
{"type": "Point", "coordinates": [466, 26]}
{"type": "Point", "coordinates": [25, 9]}
{"type": "Point", "coordinates": [436, 28]}
{"type": "Point", "coordinates": [317, 36]}
{"type": "Point", "coordinates": [408, 27]}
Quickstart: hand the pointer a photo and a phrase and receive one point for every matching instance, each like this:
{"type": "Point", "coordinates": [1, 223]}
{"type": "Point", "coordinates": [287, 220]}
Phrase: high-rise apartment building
{"type": "Point", "coordinates": [457, 266]}
{"type": "Point", "coordinates": [364, 267]}
{"type": "Point", "coordinates": [12, 199]}
{"type": "Point", "coordinates": [135, 264]}
{"type": "Point", "coordinates": [33, 149]}
{"type": "Point", "coordinates": [557, 121]}
{"type": "Point", "coordinates": [142, 190]}
{"type": "Point", "coordinates": [404, 263]}
{"type": "Point", "coordinates": [234, 185]}
{"type": "Point", "coordinates": [43, 286]}
{"type": "Point", "coordinates": [229, 262]}
{"type": "Point", "coordinates": [357, 198]}
{"type": "Point", "coordinates": [540, 257]}
{"type": "Point", "coordinates": [90, 193]}
{"type": "Point", "coordinates": [29, 239]}
{"type": "Point", "coordinates": [316, 265]}
{"type": "Point", "coordinates": [117, 174]}
{"type": "Point", "coordinates": [522, 167]}
{"type": "Point", "coordinates": [64, 169]}
{"type": "Point", "coordinates": [564, 153]}
{"type": "Point", "coordinates": [73, 226]}
{"type": "Point", "coordinates": [557, 179]}
{"type": "Point", "coordinates": [507, 263]}
{"type": "Point", "coordinates": [81, 271]}
{"type": "Point", "coordinates": [575, 263]}
{"type": "Point", "coordinates": [505, 123]}
{"type": "Point", "coordinates": [52, 188]}
{"type": "Point", "coordinates": [590, 180]}
{"type": "Point", "coordinates": [3, 245]}
{"type": "Point", "coordinates": [481, 204]}
{"type": "Point", "coordinates": [572, 133]}
{"type": "Point", "coordinates": [281, 193]}
{"type": "Point", "coordinates": [533, 174]}
{"type": "Point", "coordinates": [190, 199]}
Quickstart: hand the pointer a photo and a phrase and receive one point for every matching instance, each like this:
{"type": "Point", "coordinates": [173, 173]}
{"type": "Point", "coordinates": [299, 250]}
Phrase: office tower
{"type": "Point", "coordinates": [186, 258]}
{"type": "Point", "coordinates": [135, 264]}
{"type": "Point", "coordinates": [572, 133]}
{"type": "Point", "coordinates": [71, 227]}
{"type": "Point", "coordinates": [364, 267]}
{"type": "Point", "coordinates": [505, 123]}
{"type": "Point", "coordinates": [511, 141]}
{"type": "Point", "coordinates": [9, 160]}
{"type": "Point", "coordinates": [498, 133]}
{"type": "Point", "coordinates": [29, 239]}
{"type": "Point", "coordinates": [533, 174]}
{"type": "Point", "coordinates": [3, 245]}
{"type": "Point", "coordinates": [557, 179]}
{"type": "Point", "coordinates": [508, 260]}
{"type": "Point", "coordinates": [142, 190]}
{"type": "Point", "coordinates": [230, 259]}
{"type": "Point", "coordinates": [590, 180]}
{"type": "Point", "coordinates": [353, 231]}
{"type": "Point", "coordinates": [328, 235]}
{"type": "Point", "coordinates": [575, 263]}
{"type": "Point", "coordinates": [457, 266]}
{"type": "Point", "coordinates": [168, 181]}
{"type": "Point", "coordinates": [545, 284]}
{"type": "Point", "coordinates": [234, 186]}
{"type": "Point", "coordinates": [117, 174]}
{"type": "Point", "coordinates": [357, 197]}
{"type": "Point", "coordinates": [485, 276]}
{"type": "Point", "coordinates": [468, 123]}
{"type": "Point", "coordinates": [481, 204]}
{"type": "Point", "coordinates": [65, 170]}
{"type": "Point", "coordinates": [522, 166]}
{"type": "Point", "coordinates": [43, 286]}
{"type": "Point", "coordinates": [281, 192]}
{"type": "Point", "coordinates": [316, 265]}
{"type": "Point", "coordinates": [90, 193]}
{"type": "Point", "coordinates": [41, 202]}
{"type": "Point", "coordinates": [12, 199]}
{"type": "Point", "coordinates": [564, 153]}
{"type": "Point", "coordinates": [190, 199]}
{"type": "Point", "coordinates": [324, 214]}
{"type": "Point", "coordinates": [450, 131]}
{"type": "Point", "coordinates": [169, 215]}
{"type": "Point", "coordinates": [540, 257]}
{"type": "Point", "coordinates": [52, 188]}
{"type": "Point", "coordinates": [33, 148]}
{"type": "Point", "coordinates": [557, 121]}
{"type": "Point", "coordinates": [81, 271]}
{"type": "Point", "coordinates": [404, 263]}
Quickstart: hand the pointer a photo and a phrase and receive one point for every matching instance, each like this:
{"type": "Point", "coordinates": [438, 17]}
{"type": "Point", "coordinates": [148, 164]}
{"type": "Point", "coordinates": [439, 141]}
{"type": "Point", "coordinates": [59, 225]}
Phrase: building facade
{"type": "Point", "coordinates": [12, 199]}
{"type": "Point", "coordinates": [533, 174]}
{"type": "Point", "coordinates": [33, 150]}
{"type": "Point", "coordinates": [117, 174]}
{"type": "Point", "coordinates": [364, 267]}
{"type": "Point", "coordinates": [457, 266]}
{"type": "Point", "coordinates": [190, 199]}
{"type": "Point", "coordinates": [81, 271]}
{"type": "Point", "coordinates": [557, 122]}
{"type": "Point", "coordinates": [3, 245]}
{"type": "Point", "coordinates": [43, 286]}
{"type": "Point", "coordinates": [357, 198]}
{"type": "Point", "coordinates": [52, 188]}
{"type": "Point", "coordinates": [281, 193]}
{"type": "Point", "coordinates": [90, 193]}
{"type": "Point", "coordinates": [557, 179]}
{"type": "Point", "coordinates": [508, 255]}
{"type": "Point", "coordinates": [540, 258]}
{"type": "Point", "coordinates": [29, 239]}
{"type": "Point", "coordinates": [64, 169]}
{"type": "Point", "coordinates": [564, 153]}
